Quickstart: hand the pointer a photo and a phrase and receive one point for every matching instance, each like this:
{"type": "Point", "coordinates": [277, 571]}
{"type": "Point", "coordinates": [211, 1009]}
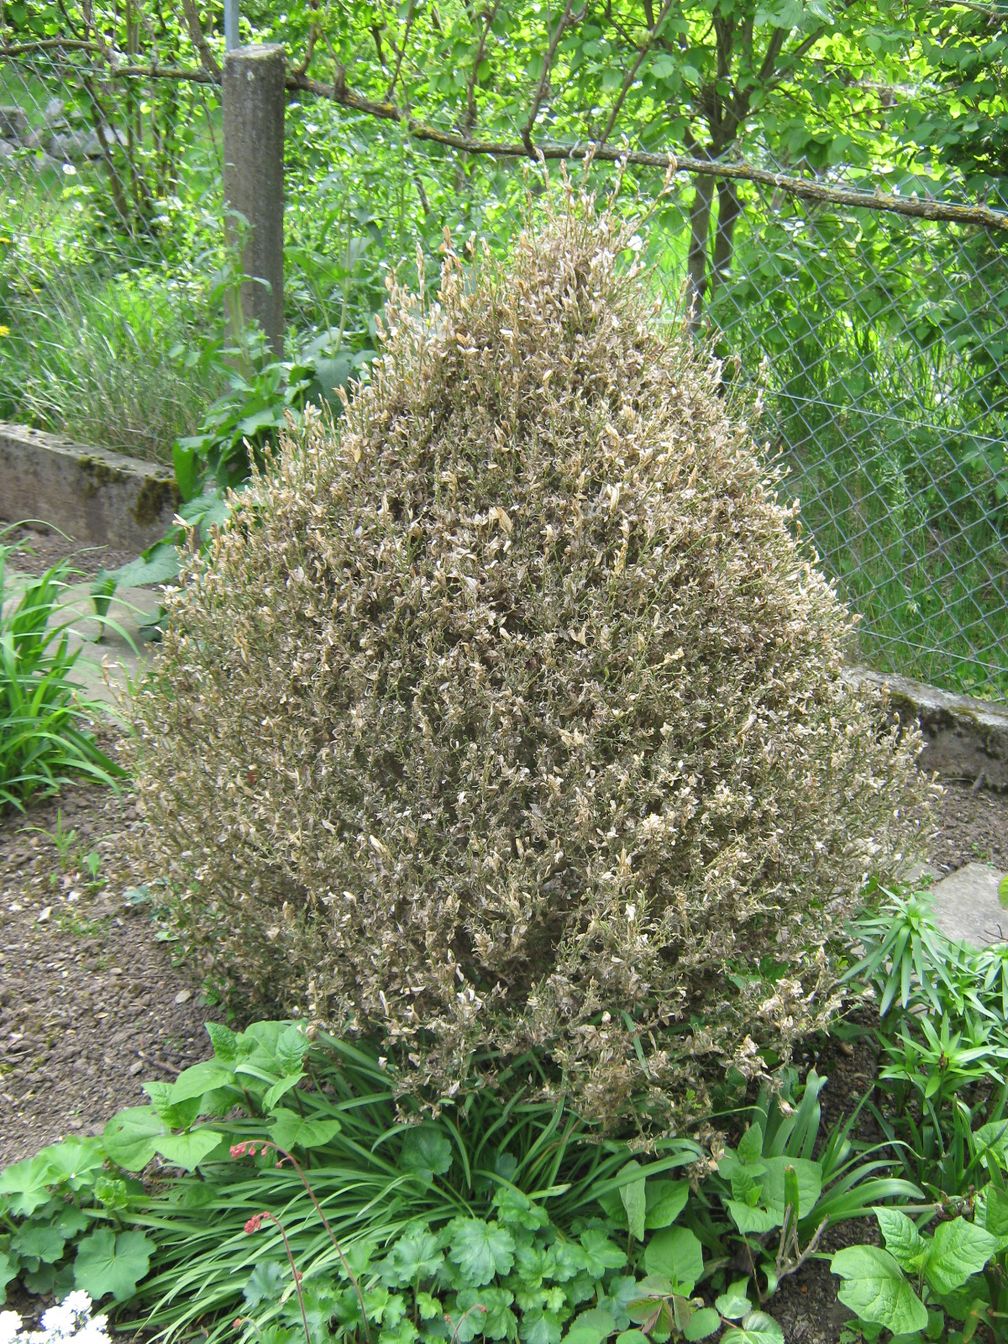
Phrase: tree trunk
{"type": "Point", "coordinates": [696, 261]}
{"type": "Point", "coordinates": [729, 209]}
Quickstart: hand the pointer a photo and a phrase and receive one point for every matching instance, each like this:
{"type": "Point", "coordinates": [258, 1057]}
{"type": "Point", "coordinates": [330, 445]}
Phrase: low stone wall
{"type": "Point", "coordinates": [96, 497]}
{"type": "Point", "coordinates": [964, 738]}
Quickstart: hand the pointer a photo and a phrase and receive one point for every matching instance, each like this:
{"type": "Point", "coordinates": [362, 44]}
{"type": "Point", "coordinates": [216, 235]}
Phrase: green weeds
{"type": "Point", "coordinates": [45, 737]}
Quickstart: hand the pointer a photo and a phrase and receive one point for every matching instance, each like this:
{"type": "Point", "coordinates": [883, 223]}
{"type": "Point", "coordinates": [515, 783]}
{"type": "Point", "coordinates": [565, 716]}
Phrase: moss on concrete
{"type": "Point", "coordinates": [154, 496]}
{"type": "Point", "coordinates": [98, 472]}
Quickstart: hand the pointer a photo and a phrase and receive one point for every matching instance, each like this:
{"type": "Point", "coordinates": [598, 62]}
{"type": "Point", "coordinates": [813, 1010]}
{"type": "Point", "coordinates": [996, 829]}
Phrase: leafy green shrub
{"type": "Point", "coordinates": [497, 1218]}
{"type": "Point", "coordinates": [941, 1042]}
{"type": "Point", "coordinates": [44, 736]}
{"type": "Point", "coordinates": [511, 714]}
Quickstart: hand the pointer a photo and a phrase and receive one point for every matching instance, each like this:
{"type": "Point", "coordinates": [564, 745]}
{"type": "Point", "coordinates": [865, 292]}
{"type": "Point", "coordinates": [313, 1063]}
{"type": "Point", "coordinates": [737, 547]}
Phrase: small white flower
{"type": "Point", "coordinates": [10, 1325]}
{"type": "Point", "coordinates": [69, 1322]}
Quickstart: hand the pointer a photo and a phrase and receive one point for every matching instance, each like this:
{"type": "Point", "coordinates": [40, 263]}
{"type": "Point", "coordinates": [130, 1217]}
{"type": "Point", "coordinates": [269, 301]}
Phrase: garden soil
{"type": "Point", "coordinates": [95, 999]}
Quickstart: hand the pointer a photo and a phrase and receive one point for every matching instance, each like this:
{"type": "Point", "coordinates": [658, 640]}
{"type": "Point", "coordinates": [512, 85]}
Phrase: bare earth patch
{"type": "Point", "coordinates": [91, 1002]}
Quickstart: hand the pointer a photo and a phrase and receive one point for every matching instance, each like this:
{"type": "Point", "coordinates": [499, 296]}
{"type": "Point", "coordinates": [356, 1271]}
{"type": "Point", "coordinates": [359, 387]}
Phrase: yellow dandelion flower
{"type": "Point", "coordinates": [4, 331]}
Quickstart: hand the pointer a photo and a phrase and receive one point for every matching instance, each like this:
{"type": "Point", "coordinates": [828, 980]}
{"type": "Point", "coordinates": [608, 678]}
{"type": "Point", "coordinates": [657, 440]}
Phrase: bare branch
{"type": "Point", "coordinates": [198, 39]}
{"type": "Point", "coordinates": [805, 188]}
{"type": "Point", "coordinates": [52, 44]}
{"type": "Point", "coordinates": [470, 113]}
{"type": "Point", "coordinates": [567, 20]}
{"type": "Point", "coordinates": [400, 52]}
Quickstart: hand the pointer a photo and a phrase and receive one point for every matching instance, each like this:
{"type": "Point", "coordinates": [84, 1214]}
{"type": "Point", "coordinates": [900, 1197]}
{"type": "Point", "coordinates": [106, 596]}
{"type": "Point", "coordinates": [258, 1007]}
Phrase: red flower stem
{"type": "Point", "coordinates": [289, 1157]}
{"type": "Point", "coordinates": [294, 1270]}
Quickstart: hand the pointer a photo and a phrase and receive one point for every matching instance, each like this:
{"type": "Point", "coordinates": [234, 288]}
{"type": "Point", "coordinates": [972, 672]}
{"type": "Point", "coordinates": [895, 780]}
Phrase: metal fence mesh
{"type": "Point", "coordinates": [886, 394]}
{"type": "Point", "coordinates": [878, 343]}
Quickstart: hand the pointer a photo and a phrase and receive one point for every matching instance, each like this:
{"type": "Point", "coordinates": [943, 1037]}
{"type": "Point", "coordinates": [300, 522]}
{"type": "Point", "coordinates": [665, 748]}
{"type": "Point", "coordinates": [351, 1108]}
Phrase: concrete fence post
{"type": "Point", "coordinates": [253, 105]}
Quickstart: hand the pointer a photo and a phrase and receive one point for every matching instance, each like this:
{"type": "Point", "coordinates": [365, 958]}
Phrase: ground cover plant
{"type": "Point", "coordinates": [46, 721]}
{"type": "Point", "coordinates": [555, 697]}
{"type": "Point", "coordinates": [280, 1190]}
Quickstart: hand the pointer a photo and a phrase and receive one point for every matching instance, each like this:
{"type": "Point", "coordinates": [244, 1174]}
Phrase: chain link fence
{"type": "Point", "coordinates": [876, 342]}
{"type": "Point", "coordinates": [880, 346]}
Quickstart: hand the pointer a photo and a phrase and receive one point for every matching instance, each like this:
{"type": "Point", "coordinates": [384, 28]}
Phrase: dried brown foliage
{"type": "Point", "coordinates": [510, 713]}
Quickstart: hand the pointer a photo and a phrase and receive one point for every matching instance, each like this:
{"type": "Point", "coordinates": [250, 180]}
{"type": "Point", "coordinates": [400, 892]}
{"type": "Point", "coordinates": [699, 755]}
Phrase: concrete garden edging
{"type": "Point", "coordinates": [95, 496]}
{"type": "Point", "coordinates": [963, 738]}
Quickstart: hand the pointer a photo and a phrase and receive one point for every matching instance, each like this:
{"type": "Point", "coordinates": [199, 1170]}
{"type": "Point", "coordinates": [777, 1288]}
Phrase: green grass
{"type": "Point", "coordinates": [108, 333]}
{"type": "Point", "coordinates": [105, 363]}
{"type": "Point", "coordinates": [45, 738]}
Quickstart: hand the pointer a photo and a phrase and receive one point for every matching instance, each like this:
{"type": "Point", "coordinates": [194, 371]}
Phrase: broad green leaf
{"type": "Point", "coordinates": [1003, 891]}
{"type": "Point", "coordinates": [750, 1219]}
{"type": "Point", "coordinates": [24, 1186]}
{"type": "Point", "coordinates": [38, 1241]}
{"type": "Point", "coordinates": [266, 1283]}
{"type": "Point", "coordinates": [992, 1137]}
{"type": "Point", "coordinates": [482, 1251]}
{"type": "Point", "coordinates": [415, 1256]}
{"type": "Point", "coordinates": [73, 1220]}
{"type": "Point", "coordinates": [665, 1201]}
{"type": "Point", "coordinates": [876, 1289]}
{"type": "Point", "coordinates": [200, 1078]}
{"type": "Point", "coordinates": [634, 1199]}
{"type": "Point", "coordinates": [591, 1327]}
{"type": "Point", "coordinates": [158, 564]}
{"type": "Point", "coordinates": [496, 1320]}
{"type": "Point", "coordinates": [540, 1327]}
{"type": "Point", "coordinates": [902, 1238]}
{"type": "Point", "coordinates": [750, 1148]}
{"type": "Point", "coordinates": [189, 1150]}
{"type": "Point", "coordinates": [675, 1254]}
{"type": "Point", "coordinates": [734, 1303]}
{"type": "Point", "coordinates": [808, 1176]}
{"type": "Point", "coordinates": [993, 1213]}
{"type": "Point", "coordinates": [515, 1209]}
{"type": "Point", "coordinates": [602, 1251]}
{"type": "Point", "coordinates": [8, 1272]}
{"type": "Point", "coordinates": [49, 1281]}
{"type": "Point", "coordinates": [280, 1089]}
{"type": "Point", "coordinates": [290, 1130]}
{"type": "Point", "coordinates": [224, 1042]}
{"type": "Point", "coordinates": [111, 1263]}
{"type": "Point", "coordinates": [756, 1328]}
{"type": "Point", "coordinates": [651, 1287]}
{"type": "Point", "coordinates": [958, 1250]}
{"type": "Point", "coordinates": [73, 1158]}
{"type": "Point", "coordinates": [428, 1307]}
{"type": "Point", "coordinates": [621, 1290]}
{"type": "Point", "coordinates": [175, 1115]}
{"type": "Point", "coordinates": [633, 1336]}
{"type": "Point", "coordinates": [425, 1150]}
{"type": "Point", "coordinates": [130, 1138]}
{"type": "Point", "coordinates": [702, 1323]}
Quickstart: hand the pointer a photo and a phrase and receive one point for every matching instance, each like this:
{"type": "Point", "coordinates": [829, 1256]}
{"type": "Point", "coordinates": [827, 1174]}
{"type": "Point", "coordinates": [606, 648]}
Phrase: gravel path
{"type": "Point", "coordinates": [92, 1003]}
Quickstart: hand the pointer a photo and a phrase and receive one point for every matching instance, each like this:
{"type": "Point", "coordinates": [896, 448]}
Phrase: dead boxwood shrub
{"type": "Point", "coordinates": [510, 714]}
